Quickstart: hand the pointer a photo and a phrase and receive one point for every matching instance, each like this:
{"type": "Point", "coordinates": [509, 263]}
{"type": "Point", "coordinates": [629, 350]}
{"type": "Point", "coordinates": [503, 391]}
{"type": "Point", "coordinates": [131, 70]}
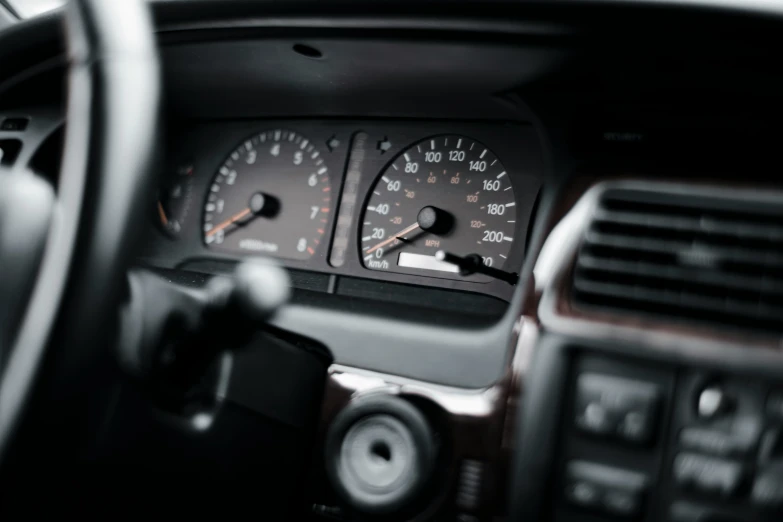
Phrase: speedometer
{"type": "Point", "coordinates": [446, 193]}
{"type": "Point", "coordinates": [271, 196]}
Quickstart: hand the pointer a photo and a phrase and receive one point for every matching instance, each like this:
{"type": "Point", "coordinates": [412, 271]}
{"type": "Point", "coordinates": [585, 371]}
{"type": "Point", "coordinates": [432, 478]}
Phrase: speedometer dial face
{"type": "Point", "coordinates": [446, 193]}
{"type": "Point", "coordinates": [272, 196]}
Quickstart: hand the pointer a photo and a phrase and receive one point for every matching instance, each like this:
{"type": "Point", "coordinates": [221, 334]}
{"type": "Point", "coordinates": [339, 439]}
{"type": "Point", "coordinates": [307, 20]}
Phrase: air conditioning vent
{"type": "Point", "coordinates": [686, 257]}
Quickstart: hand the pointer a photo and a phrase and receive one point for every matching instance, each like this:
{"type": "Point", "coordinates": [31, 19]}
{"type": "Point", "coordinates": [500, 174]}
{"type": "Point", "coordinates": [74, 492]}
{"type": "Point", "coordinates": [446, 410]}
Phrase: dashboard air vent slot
{"type": "Point", "coordinates": [694, 258]}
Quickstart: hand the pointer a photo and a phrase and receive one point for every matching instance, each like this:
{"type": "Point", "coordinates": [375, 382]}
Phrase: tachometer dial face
{"type": "Point", "coordinates": [446, 193]}
{"type": "Point", "coordinates": [272, 196]}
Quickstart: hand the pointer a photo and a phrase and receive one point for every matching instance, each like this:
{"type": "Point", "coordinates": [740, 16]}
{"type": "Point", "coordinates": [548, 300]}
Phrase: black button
{"type": "Point", "coordinates": [716, 442]}
{"type": "Point", "coordinates": [713, 402]}
{"type": "Point", "coordinates": [707, 474]}
{"type": "Point", "coordinates": [583, 494]}
{"type": "Point", "coordinates": [635, 426]}
{"type": "Point", "coordinates": [14, 124]}
{"type": "Point", "coordinates": [616, 407]}
{"type": "Point", "coordinates": [594, 418]}
{"type": "Point", "coordinates": [622, 503]}
{"type": "Point", "coordinates": [606, 489]}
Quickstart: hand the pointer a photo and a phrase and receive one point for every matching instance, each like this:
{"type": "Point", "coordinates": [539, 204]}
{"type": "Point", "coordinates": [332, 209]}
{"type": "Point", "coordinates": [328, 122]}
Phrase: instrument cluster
{"type": "Point", "coordinates": [436, 204]}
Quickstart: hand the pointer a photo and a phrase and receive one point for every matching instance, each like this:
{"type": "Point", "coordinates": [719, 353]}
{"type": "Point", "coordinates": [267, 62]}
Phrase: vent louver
{"type": "Point", "coordinates": [693, 258]}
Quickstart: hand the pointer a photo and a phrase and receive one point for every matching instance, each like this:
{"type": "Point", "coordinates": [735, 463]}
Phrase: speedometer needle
{"type": "Point", "coordinates": [394, 237]}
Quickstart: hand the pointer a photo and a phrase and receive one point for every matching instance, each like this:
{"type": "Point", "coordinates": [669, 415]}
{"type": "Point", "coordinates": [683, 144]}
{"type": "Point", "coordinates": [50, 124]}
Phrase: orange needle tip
{"type": "Point", "coordinates": [162, 214]}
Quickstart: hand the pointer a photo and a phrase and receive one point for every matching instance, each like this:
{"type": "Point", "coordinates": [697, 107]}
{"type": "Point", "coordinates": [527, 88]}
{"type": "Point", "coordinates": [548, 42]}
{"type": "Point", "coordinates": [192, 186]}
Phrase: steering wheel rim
{"type": "Point", "coordinates": [106, 177]}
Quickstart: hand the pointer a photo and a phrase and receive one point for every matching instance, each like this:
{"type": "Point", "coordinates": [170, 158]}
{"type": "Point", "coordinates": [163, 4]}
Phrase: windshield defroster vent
{"type": "Point", "coordinates": [693, 258]}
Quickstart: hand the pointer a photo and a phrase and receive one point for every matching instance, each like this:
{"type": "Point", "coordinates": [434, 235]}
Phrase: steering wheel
{"type": "Point", "coordinates": [63, 253]}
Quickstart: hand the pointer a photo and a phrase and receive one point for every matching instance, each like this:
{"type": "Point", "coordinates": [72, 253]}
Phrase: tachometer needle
{"type": "Point", "coordinates": [230, 221]}
{"type": "Point", "coordinates": [162, 213]}
{"type": "Point", "coordinates": [393, 238]}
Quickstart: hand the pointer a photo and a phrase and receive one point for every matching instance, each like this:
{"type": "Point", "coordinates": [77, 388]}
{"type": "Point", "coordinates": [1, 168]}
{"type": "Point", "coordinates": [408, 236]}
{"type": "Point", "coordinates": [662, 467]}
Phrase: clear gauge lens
{"type": "Point", "coordinates": [175, 200]}
{"type": "Point", "coordinates": [444, 193]}
{"type": "Point", "coordinates": [272, 196]}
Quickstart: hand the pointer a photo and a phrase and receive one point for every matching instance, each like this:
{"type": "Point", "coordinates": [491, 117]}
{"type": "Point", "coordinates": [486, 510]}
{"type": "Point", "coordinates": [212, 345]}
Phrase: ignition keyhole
{"type": "Point", "coordinates": [381, 449]}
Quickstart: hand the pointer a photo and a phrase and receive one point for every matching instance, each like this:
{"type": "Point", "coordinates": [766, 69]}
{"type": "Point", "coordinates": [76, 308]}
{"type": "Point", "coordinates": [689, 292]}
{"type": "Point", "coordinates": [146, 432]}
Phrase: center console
{"type": "Point", "coordinates": [649, 398]}
{"type": "Point", "coordinates": [669, 441]}
{"type": "Point", "coordinates": [646, 439]}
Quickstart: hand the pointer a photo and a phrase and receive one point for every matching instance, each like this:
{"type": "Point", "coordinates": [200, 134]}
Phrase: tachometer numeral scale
{"type": "Point", "coordinates": [271, 196]}
{"type": "Point", "coordinates": [443, 193]}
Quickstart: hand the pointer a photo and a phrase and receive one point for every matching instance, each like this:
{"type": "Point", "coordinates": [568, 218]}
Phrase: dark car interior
{"type": "Point", "coordinates": [398, 260]}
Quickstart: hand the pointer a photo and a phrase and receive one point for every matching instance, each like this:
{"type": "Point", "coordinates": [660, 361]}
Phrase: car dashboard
{"type": "Point", "coordinates": [553, 228]}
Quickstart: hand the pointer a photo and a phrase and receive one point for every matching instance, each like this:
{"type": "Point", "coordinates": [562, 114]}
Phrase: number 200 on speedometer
{"type": "Point", "coordinates": [443, 193]}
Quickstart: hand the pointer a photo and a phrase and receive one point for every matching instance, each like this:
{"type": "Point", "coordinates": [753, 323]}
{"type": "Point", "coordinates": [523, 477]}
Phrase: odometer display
{"type": "Point", "coordinates": [272, 196]}
{"type": "Point", "coordinates": [446, 193]}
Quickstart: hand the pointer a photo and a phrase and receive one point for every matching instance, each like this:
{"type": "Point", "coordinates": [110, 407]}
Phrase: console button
{"type": "Point", "coordinates": [616, 407]}
{"type": "Point", "coordinates": [707, 474]}
{"type": "Point", "coordinates": [14, 124]}
{"type": "Point", "coordinates": [595, 418]}
{"type": "Point", "coordinates": [622, 503]}
{"type": "Point", "coordinates": [713, 402]}
{"type": "Point", "coordinates": [636, 425]}
{"type": "Point", "coordinates": [606, 489]}
{"type": "Point", "coordinates": [717, 442]}
{"type": "Point", "coordinates": [583, 494]}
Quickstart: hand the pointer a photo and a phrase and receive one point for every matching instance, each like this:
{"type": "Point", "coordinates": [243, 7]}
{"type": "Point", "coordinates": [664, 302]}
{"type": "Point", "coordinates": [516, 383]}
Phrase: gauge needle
{"type": "Point", "coordinates": [394, 237]}
{"type": "Point", "coordinates": [233, 219]}
{"type": "Point", "coordinates": [163, 218]}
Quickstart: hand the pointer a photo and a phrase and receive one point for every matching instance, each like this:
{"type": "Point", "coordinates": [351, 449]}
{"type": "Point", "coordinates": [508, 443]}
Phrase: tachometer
{"type": "Point", "coordinates": [444, 193]}
{"type": "Point", "coordinates": [272, 196]}
{"type": "Point", "coordinates": [174, 201]}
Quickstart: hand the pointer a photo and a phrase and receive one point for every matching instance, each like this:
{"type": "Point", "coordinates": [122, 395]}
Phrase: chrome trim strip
{"type": "Point", "coordinates": [481, 402]}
